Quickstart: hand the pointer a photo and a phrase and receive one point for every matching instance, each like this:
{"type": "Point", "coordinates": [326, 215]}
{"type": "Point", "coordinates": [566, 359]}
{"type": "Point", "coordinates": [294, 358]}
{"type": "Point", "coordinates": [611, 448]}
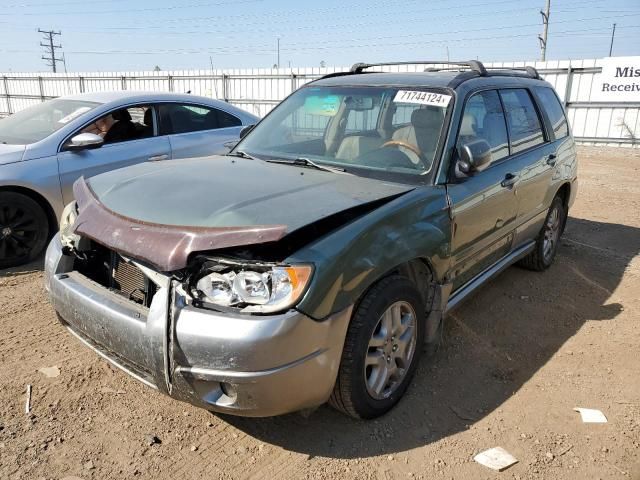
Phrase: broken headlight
{"type": "Point", "coordinates": [67, 220]}
{"type": "Point", "coordinates": [251, 288]}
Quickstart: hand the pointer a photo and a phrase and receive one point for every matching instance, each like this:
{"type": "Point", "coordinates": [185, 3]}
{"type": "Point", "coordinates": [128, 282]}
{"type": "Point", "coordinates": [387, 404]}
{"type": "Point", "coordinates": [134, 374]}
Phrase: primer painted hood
{"type": "Point", "coordinates": [11, 153]}
{"type": "Point", "coordinates": [222, 191]}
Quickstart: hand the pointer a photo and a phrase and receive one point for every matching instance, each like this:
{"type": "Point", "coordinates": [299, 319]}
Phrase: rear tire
{"type": "Point", "coordinates": [382, 349]}
{"type": "Point", "coordinates": [24, 229]}
{"type": "Point", "coordinates": [548, 240]}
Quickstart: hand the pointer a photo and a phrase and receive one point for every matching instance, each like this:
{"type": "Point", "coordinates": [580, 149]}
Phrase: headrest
{"type": "Point", "coordinates": [122, 115]}
{"type": "Point", "coordinates": [148, 117]}
{"type": "Point", "coordinates": [469, 125]}
{"type": "Point", "coordinates": [427, 118]}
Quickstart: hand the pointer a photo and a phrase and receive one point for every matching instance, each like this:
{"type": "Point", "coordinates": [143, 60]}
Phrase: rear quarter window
{"type": "Point", "coordinates": [551, 105]}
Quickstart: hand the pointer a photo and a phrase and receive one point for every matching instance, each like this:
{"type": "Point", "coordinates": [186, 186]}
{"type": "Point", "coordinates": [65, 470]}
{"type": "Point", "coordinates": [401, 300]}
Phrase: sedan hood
{"type": "Point", "coordinates": [11, 153]}
{"type": "Point", "coordinates": [161, 212]}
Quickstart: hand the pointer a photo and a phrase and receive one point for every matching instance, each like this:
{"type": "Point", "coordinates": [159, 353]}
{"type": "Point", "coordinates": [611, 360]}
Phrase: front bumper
{"type": "Point", "coordinates": [239, 364]}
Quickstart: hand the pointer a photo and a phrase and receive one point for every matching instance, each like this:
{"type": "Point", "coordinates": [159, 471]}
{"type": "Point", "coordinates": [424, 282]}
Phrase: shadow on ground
{"type": "Point", "coordinates": [492, 346]}
{"type": "Point", "coordinates": [34, 266]}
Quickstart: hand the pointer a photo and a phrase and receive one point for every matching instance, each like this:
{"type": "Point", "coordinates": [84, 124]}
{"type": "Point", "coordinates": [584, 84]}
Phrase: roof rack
{"type": "Point", "coordinates": [474, 65]}
{"type": "Point", "coordinates": [529, 70]}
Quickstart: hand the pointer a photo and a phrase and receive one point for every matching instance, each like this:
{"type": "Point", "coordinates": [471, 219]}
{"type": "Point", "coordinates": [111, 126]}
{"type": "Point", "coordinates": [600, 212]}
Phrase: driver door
{"type": "Point", "coordinates": [137, 143]}
{"type": "Point", "coordinates": [484, 205]}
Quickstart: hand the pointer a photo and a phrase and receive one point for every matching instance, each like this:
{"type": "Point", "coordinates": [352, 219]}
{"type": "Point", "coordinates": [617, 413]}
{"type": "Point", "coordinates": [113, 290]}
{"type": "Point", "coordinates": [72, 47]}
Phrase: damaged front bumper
{"type": "Point", "coordinates": [233, 363]}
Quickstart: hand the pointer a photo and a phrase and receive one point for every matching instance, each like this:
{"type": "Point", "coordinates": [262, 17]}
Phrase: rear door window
{"type": "Point", "coordinates": [184, 118]}
{"type": "Point", "coordinates": [554, 111]}
{"type": "Point", "coordinates": [525, 128]}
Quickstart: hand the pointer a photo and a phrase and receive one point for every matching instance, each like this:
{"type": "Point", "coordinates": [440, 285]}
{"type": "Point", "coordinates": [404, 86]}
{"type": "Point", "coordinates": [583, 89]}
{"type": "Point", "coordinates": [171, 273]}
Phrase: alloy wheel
{"type": "Point", "coordinates": [391, 350]}
{"type": "Point", "coordinates": [18, 232]}
{"type": "Point", "coordinates": [551, 234]}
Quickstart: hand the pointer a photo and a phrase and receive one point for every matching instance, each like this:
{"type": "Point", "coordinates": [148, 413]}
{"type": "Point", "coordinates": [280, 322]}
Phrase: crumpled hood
{"type": "Point", "coordinates": [11, 153]}
{"type": "Point", "coordinates": [230, 191]}
{"type": "Point", "coordinates": [162, 212]}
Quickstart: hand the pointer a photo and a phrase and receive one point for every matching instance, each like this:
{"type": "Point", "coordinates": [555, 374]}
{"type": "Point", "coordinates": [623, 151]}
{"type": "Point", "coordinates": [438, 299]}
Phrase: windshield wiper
{"type": "Point", "coordinates": [305, 162]}
{"type": "Point", "coordinates": [242, 154]}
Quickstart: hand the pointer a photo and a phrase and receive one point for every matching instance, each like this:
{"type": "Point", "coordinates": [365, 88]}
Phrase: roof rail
{"type": "Point", "coordinates": [474, 65]}
{"type": "Point", "coordinates": [529, 70]}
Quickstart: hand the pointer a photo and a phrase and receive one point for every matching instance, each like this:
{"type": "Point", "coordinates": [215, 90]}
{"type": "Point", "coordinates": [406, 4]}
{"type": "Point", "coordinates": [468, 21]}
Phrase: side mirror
{"type": "Point", "coordinates": [84, 141]}
{"type": "Point", "coordinates": [245, 130]}
{"type": "Point", "coordinates": [474, 156]}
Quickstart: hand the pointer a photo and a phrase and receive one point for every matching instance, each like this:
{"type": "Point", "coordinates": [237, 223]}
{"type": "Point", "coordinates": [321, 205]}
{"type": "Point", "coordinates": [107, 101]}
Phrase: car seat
{"type": "Point", "coordinates": [123, 129]}
{"type": "Point", "coordinates": [424, 130]}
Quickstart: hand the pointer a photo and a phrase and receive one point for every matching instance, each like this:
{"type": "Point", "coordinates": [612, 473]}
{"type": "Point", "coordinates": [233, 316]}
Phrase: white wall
{"type": "Point", "coordinates": [258, 90]}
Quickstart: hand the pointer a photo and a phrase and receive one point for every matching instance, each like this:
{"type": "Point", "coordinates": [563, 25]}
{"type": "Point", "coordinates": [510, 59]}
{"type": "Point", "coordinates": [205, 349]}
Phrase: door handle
{"type": "Point", "coordinates": [510, 180]}
{"type": "Point", "coordinates": [552, 159]}
{"type": "Point", "coordinates": [157, 158]}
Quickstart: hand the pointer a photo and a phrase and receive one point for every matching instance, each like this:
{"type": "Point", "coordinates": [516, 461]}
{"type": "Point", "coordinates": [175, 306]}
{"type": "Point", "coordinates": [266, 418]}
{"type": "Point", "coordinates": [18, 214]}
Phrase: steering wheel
{"type": "Point", "coordinates": [412, 148]}
{"type": "Point", "coordinates": [401, 143]}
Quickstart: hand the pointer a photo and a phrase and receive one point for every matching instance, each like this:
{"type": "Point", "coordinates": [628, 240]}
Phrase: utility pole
{"type": "Point", "coordinates": [613, 35]}
{"type": "Point", "coordinates": [543, 38]}
{"type": "Point", "coordinates": [278, 63]}
{"type": "Point", "coordinates": [50, 48]}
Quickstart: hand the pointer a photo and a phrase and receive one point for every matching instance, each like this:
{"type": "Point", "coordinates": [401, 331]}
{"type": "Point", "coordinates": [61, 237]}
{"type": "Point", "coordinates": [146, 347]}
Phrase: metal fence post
{"type": "Point", "coordinates": [293, 82]}
{"type": "Point", "coordinates": [41, 88]}
{"type": "Point", "coordinates": [170, 82]}
{"type": "Point", "coordinates": [567, 88]}
{"type": "Point", "coordinates": [123, 79]}
{"type": "Point", "coordinates": [6, 92]}
{"type": "Point", "coordinates": [224, 87]}
{"type": "Point", "coordinates": [81, 84]}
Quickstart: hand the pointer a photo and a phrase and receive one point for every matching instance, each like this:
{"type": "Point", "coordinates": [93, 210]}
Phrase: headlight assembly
{"type": "Point", "coordinates": [251, 288]}
{"type": "Point", "coordinates": [69, 215]}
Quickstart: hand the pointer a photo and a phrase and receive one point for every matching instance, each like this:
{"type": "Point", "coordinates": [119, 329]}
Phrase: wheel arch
{"type": "Point", "coordinates": [39, 199]}
{"type": "Point", "coordinates": [565, 193]}
{"type": "Point", "coordinates": [421, 272]}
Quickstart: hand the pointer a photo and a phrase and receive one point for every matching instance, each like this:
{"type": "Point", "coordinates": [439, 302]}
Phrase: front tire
{"type": "Point", "coordinates": [382, 349]}
{"type": "Point", "coordinates": [24, 229]}
{"type": "Point", "coordinates": [548, 240]}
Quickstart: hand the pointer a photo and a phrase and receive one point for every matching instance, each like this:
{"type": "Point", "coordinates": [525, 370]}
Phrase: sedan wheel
{"type": "Point", "coordinates": [23, 229]}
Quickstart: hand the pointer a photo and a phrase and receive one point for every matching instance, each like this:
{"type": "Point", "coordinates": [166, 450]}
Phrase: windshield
{"type": "Point", "coordinates": [35, 123]}
{"type": "Point", "coordinates": [378, 128]}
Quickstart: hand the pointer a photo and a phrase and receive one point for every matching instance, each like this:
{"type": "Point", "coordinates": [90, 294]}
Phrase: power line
{"type": "Point", "coordinates": [50, 48]}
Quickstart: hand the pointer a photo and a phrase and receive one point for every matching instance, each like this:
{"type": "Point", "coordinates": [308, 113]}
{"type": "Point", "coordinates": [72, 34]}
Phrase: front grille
{"type": "Point", "coordinates": [112, 271]}
{"type": "Point", "coordinates": [129, 280]}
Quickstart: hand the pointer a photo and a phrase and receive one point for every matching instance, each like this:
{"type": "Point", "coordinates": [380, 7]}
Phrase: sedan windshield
{"type": "Point", "coordinates": [377, 128]}
{"type": "Point", "coordinates": [38, 122]}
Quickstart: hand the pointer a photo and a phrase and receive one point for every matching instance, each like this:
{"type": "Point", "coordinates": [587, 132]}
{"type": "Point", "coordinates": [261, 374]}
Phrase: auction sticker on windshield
{"type": "Point", "coordinates": [422, 98]}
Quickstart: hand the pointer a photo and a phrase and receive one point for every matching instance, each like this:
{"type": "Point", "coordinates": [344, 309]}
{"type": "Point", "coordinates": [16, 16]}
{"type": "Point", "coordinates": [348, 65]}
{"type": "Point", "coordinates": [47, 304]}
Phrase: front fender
{"type": "Point", "coordinates": [39, 175]}
{"type": "Point", "coordinates": [349, 260]}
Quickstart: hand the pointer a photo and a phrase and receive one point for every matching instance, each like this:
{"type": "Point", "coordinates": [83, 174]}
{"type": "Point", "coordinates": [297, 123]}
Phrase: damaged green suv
{"type": "Point", "coordinates": [315, 261]}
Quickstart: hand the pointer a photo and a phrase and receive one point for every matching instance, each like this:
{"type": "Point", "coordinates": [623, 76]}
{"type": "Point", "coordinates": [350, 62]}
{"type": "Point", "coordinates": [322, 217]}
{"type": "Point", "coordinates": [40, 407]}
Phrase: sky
{"type": "Point", "coordinates": [135, 35]}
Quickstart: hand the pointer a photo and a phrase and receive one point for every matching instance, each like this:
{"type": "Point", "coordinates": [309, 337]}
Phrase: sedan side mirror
{"type": "Point", "coordinates": [84, 141]}
{"type": "Point", "coordinates": [474, 156]}
{"type": "Point", "coordinates": [245, 130]}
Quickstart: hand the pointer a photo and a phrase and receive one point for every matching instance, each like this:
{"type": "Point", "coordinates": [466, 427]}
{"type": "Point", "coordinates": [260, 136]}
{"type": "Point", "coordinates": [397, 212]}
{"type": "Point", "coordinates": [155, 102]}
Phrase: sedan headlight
{"type": "Point", "coordinates": [68, 219]}
{"type": "Point", "coordinates": [251, 288]}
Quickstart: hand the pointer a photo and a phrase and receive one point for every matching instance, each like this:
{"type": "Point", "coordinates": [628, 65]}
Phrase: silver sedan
{"type": "Point", "coordinates": [45, 148]}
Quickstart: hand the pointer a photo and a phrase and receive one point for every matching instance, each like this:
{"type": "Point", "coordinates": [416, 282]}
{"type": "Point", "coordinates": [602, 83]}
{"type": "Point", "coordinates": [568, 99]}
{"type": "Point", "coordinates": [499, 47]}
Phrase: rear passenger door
{"type": "Point", "coordinates": [532, 159]}
{"type": "Point", "coordinates": [484, 205]}
{"type": "Point", "coordinates": [197, 130]}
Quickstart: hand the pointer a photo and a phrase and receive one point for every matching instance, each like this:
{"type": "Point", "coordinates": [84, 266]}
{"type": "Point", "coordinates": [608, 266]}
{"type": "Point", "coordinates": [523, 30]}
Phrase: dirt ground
{"type": "Point", "coordinates": [516, 359]}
